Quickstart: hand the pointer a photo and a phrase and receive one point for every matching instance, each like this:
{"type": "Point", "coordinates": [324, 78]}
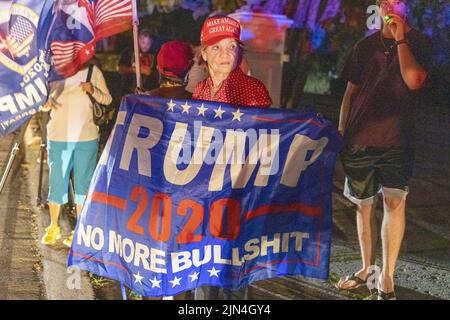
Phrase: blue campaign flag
{"type": "Point", "coordinates": [23, 67]}
{"type": "Point", "coordinates": [193, 193]}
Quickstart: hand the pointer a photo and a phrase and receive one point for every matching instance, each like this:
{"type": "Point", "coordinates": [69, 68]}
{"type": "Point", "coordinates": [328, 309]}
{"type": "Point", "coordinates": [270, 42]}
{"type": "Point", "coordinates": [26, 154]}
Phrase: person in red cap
{"type": "Point", "coordinates": [174, 60]}
{"type": "Point", "coordinates": [222, 52]}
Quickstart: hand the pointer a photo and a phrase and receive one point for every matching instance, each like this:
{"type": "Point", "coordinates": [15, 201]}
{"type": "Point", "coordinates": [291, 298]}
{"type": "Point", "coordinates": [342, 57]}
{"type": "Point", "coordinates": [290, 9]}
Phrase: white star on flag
{"type": "Point", "coordinates": [213, 272]}
{"type": "Point", "coordinates": [219, 113]}
{"type": "Point", "coordinates": [237, 115]}
{"type": "Point", "coordinates": [186, 108]}
{"type": "Point", "coordinates": [171, 105]}
{"type": "Point", "coordinates": [155, 283]}
{"type": "Point", "coordinates": [194, 276]}
{"type": "Point", "coordinates": [138, 278]}
{"type": "Point", "coordinates": [201, 110]}
{"type": "Point", "coordinates": [175, 282]}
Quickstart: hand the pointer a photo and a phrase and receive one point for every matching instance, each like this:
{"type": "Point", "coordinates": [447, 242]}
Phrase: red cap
{"type": "Point", "coordinates": [216, 29]}
{"type": "Point", "coordinates": [174, 59]}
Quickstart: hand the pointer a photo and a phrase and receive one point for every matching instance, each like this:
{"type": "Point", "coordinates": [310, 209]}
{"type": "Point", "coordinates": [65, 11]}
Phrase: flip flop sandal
{"type": "Point", "coordinates": [357, 280]}
{"type": "Point", "coordinates": [386, 296]}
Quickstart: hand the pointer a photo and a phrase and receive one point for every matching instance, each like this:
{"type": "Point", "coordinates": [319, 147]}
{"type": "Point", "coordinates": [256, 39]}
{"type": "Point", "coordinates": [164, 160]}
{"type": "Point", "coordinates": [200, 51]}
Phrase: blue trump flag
{"type": "Point", "coordinates": [193, 193]}
{"type": "Point", "coordinates": [23, 66]}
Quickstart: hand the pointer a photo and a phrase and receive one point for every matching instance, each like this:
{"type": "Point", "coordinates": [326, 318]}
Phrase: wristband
{"type": "Point", "coordinates": [401, 42]}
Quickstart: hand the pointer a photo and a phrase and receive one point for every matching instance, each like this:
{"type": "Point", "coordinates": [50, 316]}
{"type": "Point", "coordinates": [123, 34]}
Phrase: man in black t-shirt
{"type": "Point", "coordinates": [385, 73]}
{"type": "Point", "coordinates": [127, 68]}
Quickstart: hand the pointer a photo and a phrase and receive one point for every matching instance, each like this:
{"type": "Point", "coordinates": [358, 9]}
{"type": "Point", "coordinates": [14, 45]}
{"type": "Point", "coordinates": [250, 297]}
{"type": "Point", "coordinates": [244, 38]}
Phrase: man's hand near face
{"type": "Point", "coordinates": [397, 27]}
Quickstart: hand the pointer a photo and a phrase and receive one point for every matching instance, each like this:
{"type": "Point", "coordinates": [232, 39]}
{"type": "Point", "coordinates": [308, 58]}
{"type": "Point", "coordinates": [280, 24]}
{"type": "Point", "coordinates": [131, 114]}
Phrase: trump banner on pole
{"type": "Point", "coordinates": [194, 193]}
{"type": "Point", "coordinates": [47, 40]}
{"type": "Point", "coordinates": [23, 67]}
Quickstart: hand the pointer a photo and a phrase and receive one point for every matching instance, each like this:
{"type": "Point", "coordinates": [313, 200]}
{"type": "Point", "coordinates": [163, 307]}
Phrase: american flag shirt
{"type": "Point", "coordinates": [237, 89]}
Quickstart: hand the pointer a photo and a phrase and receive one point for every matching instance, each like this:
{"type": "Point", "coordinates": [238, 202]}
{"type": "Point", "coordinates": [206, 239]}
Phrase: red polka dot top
{"type": "Point", "coordinates": [238, 89]}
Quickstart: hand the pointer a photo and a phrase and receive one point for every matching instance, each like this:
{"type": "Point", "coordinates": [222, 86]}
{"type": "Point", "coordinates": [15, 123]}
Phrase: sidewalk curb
{"type": "Point", "coordinates": [56, 277]}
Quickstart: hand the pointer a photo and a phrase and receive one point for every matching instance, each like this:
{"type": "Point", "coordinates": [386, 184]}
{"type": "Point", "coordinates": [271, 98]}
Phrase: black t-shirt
{"type": "Point", "coordinates": [128, 80]}
{"type": "Point", "coordinates": [382, 114]}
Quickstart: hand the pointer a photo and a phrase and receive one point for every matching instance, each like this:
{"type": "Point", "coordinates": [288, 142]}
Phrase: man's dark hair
{"type": "Point", "coordinates": [145, 33]}
{"type": "Point", "coordinates": [171, 81]}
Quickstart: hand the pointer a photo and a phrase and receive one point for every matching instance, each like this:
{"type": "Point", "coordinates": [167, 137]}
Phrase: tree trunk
{"type": "Point", "coordinates": [296, 71]}
{"type": "Point", "coordinates": [300, 54]}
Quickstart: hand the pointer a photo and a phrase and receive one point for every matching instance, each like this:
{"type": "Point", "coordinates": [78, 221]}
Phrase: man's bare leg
{"type": "Point", "coordinates": [392, 232]}
{"type": "Point", "coordinates": [367, 236]}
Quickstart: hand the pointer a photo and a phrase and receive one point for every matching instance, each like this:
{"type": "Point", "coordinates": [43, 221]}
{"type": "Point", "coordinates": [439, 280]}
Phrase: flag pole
{"type": "Point", "coordinates": [136, 45]}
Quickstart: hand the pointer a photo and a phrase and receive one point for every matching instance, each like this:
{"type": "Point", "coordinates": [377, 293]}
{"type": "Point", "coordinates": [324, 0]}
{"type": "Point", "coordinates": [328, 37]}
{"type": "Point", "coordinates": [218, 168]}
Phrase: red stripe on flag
{"type": "Point", "coordinates": [109, 200]}
{"type": "Point", "coordinates": [288, 208]}
{"type": "Point", "coordinates": [100, 261]}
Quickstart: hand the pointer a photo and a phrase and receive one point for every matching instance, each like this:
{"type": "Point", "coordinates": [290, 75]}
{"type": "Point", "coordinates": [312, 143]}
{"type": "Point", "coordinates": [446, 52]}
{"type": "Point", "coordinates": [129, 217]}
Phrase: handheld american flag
{"type": "Point", "coordinates": [78, 26]}
{"type": "Point", "coordinates": [108, 17]}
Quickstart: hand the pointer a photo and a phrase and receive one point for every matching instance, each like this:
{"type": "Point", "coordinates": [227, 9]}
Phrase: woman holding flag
{"type": "Point", "coordinates": [222, 52]}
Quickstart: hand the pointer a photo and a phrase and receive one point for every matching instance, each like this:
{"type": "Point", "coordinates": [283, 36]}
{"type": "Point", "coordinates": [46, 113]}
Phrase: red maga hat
{"type": "Point", "coordinates": [218, 28]}
{"type": "Point", "coordinates": [174, 59]}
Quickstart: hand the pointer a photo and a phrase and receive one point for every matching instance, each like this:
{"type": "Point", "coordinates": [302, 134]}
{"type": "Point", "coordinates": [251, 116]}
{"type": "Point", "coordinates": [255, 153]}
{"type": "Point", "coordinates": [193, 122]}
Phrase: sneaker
{"type": "Point", "coordinates": [52, 233]}
{"type": "Point", "coordinates": [68, 241]}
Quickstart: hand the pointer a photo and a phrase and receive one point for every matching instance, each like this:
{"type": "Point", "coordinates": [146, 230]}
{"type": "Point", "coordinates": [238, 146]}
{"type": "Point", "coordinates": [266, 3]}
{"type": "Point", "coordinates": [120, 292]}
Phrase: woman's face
{"type": "Point", "coordinates": [222, 57]}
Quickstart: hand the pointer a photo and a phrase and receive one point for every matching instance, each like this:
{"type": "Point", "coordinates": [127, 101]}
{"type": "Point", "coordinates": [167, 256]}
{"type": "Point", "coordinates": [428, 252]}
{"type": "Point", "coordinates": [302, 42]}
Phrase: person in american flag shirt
{"type": "Point", "coordinates": [222, 52]}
